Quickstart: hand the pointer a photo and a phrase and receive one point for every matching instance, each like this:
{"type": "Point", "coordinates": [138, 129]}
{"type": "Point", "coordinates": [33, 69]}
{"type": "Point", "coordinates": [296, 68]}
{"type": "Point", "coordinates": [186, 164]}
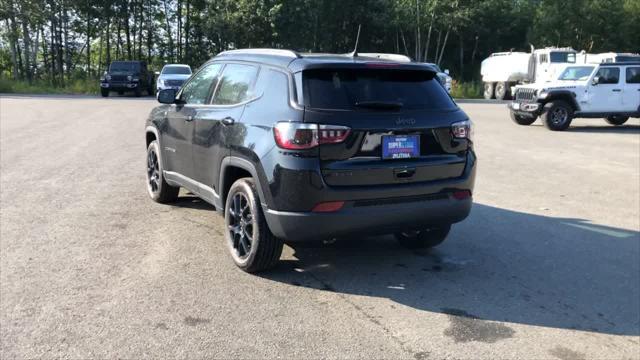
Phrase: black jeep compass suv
{"type": "Point", "coordinates": [293, 147]}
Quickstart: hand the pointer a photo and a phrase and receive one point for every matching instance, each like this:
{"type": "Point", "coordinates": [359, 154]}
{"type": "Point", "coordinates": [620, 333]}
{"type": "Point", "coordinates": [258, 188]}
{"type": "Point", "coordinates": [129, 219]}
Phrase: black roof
{"type": "Point", "coordinates": [633, 63]}
{"type": "Point", "coordinates": [296, 61]}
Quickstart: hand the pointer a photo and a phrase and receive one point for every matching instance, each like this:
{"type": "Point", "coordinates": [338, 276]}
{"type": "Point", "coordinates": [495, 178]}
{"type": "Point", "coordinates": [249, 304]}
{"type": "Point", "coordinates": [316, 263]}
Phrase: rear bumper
{"type": "Point", "coordinates": [372, 219]}
{"type": "Point", "coordinates": [378, 209]}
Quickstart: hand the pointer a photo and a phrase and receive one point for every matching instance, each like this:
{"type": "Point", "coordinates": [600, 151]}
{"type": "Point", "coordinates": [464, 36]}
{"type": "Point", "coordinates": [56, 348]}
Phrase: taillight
{"type": "Point", "coordinates": [296, 136]}
{"type": "Point", "coordinates": [462, 129]}
{"type": "Point", "coordinates": [301, 136]}
{"type": "Point", "coordinates": [332, 134]}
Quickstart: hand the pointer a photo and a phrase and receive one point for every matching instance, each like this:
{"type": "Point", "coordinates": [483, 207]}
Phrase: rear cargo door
{"type": "Point", "coordinates": [400, 126]}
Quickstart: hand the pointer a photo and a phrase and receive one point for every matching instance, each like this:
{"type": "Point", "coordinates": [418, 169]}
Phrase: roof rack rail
{"type": "Point", "coordinates": [275, 52]}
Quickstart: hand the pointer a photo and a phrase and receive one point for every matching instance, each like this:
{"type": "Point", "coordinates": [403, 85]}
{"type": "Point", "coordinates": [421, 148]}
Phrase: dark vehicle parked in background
{"type": "Point", "coordinates": [294, 148]}
{"type": "Point", "coordinates": [126, 76]}
{"type": "Point", "coordinates": [172, 76]}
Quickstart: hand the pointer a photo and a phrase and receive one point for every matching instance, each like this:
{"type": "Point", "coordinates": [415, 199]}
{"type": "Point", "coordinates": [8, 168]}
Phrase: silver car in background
{"type": "Point", "coordinates": [172, 76]}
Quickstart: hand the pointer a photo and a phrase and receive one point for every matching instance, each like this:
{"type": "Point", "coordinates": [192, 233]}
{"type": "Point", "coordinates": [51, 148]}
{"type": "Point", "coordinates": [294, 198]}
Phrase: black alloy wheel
{"type": "Point", "coordinates": [240, 224]}
{"type": "Point", "coordinates": [153, 171]}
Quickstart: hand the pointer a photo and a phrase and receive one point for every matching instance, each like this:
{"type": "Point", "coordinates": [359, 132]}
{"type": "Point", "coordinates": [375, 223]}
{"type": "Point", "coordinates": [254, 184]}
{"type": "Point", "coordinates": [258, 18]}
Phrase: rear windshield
{"type": "Point", "coordinates": [345, 89]}
{"type": "Point", "coordinates": [176, 70]}
{"type": "Point", "coordinates": [124, 66]}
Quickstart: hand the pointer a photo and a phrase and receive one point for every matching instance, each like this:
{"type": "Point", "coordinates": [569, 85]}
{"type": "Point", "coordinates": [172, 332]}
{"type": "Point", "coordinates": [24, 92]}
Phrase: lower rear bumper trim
{"type": "Point", "coordinates": [379, 219]}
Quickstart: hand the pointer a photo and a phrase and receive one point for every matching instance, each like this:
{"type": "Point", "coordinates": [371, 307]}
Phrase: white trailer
{"type": "Point", "coordinates": [609, 57]}
{"type": "Point", "coordinates": [502, 71]}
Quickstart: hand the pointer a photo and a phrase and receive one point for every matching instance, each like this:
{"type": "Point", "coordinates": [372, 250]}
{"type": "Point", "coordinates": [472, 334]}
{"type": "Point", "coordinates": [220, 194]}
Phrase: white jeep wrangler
{"type": "Point", "coordinates": [608, 90]}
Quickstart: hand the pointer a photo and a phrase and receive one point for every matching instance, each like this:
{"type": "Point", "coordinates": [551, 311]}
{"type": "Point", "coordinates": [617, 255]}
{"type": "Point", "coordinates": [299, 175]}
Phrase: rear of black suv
{"type": "Point", "coordinates": [382, 149]}
{"type": "Point", "coordinates": [295, 148]}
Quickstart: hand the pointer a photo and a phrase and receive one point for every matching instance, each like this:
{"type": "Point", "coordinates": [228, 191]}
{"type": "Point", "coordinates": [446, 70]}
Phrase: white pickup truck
{"type": "Point", "coordinates": [607, 90]}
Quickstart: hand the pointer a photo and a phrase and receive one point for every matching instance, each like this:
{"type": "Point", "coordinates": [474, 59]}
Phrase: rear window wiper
{"type": "Point", "coordinates": [386, 105]}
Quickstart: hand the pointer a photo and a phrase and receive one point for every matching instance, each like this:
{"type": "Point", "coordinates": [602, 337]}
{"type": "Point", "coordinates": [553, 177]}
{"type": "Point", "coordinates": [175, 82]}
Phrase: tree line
{"type": "Point", "coordinates": [58, 40]}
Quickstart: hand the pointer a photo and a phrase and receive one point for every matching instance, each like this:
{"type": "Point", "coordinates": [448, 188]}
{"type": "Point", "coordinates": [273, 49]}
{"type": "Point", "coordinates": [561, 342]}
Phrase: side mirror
{"type": "Point", "coordinates": [595, 81]}
{"type": "Point", "coordinates": [446, 71]}
{"type": "Point", "coordinates": [167, 96]}
{"type": "Point", "coordinates": [157, 72]}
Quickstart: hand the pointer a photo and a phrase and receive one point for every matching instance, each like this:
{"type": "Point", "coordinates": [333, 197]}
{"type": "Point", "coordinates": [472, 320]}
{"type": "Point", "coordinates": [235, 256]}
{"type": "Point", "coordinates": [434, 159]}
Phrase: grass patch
{"type": "Point", "coordinates": [468, 90]}
{"type": "Point", "coordinates": [72, 87]}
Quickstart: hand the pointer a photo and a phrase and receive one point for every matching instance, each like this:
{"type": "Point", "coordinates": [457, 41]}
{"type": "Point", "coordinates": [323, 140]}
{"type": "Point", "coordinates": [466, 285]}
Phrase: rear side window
{"type": "Point", "coordinates": [608, 75]}
{"type": "Point", "coordinates": [633, 75]}
{"type": "Point", "coordinates": [236, 83]}
{"type": "Point", "coordinates": [348, 89]}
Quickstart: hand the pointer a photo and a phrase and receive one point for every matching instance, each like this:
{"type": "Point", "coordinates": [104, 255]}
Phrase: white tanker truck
{"type": "Point", "coordinates": [502, 71]}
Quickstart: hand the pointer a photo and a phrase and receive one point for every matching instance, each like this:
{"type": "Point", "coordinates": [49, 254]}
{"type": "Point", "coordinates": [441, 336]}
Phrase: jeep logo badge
{"type": "Point", "coordinates": [405, 121]}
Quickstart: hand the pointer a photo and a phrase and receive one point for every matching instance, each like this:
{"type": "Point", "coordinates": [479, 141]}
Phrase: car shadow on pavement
{"type": "Point", "coordinates": [576, 127]}
{"type": "Point", "coordinates": [191, 201]}
{"type": "Point", "coordinates": [497, 265]}
{"type": "Point", "coordinates": [623, 129]}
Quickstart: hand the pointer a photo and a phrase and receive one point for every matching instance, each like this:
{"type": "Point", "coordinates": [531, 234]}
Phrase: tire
{"type": "Point", "coordinates": [426, 238]}
{"type": "Point", "coordinates": [252, 246]}
{"type": "Point", "coordinates": [502, 91]}
{"type": "Point", "coordinates": [522, 120]}
{"type": "Point", "coordinates": [616, 120]}
{"type": "Point", "coordinates": [557, 115]}
{"type": "Point", "coordinates": [104, 92]}
{"type": "Point", "coordinates": [157, 187]}
{"type": "Point", "coordinates": [137, 91]}
{"type": "Point", "coordinates": [488, 91]}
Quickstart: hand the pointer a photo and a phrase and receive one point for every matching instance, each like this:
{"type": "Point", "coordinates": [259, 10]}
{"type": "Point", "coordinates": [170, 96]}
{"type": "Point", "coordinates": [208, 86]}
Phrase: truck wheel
{"type": "Point", "coordinates": [157, 187]}
{"type": "Point", "coordinates": [488, 91]}
{"type": "Point", "coordinates": [252, 245]}
{"type": "Point", "coordinates": [557, 115]}
{"type": "Point", "coordinates": [522, 120]}
{"type": "Point", "coordinates": [502, 91]}
{"type": "Point", "coordinates": [426, 238]}
{"type": "Point", "coordinates": [104, 92]}
{"type": "Point", "coordinates": [616, 120]}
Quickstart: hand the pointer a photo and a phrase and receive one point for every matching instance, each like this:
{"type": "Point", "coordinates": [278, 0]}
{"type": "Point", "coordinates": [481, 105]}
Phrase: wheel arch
{"type": "Point", "coordinates": [568, 96]}
{"type": "Point", "coordinates": [233, 168]}
{"type": "Point", "coordinates": [151, 134]}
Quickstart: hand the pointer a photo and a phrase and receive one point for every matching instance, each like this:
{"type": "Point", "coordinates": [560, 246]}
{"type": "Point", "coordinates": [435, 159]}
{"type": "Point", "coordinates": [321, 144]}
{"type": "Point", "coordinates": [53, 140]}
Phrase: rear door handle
{"type": "Point", "coordinates": [616, 90]}
{"type": "Point", "coordinates": [228, 121]}
{"type": "Point", "coordinates": [188, 118]}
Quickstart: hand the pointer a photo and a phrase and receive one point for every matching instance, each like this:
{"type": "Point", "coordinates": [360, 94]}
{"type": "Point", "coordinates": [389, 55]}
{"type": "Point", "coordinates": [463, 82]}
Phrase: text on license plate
{"type": "Point", "coordinates": [400, 146]}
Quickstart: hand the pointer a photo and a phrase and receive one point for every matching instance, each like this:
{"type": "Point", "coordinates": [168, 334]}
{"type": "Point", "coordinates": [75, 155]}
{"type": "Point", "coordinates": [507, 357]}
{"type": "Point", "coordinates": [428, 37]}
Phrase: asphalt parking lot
{"type": "Point", "coordinates": [547, 266]}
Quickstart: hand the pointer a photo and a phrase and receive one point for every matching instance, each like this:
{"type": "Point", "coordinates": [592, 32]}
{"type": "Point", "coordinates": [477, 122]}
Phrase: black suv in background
{"type": "Point", "coordinates": [122, 76]}
{"type": "Point", "coordinates": [293, 147]}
